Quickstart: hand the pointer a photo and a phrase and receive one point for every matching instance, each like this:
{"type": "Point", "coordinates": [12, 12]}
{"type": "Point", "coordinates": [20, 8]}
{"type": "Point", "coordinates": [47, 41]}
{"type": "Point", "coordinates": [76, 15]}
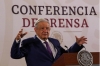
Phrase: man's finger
{"type": "Point", "coordinates": [23, 34]}
{"type": "Point", "coordinates": [85, 43]}
{"type": "Point", "coordinates": [76, 38]}
{"type": "Point", "coordinates": [82, 37]}
{"type": "Point", "coordinates": [21, 31]}
{"type": "Point", "coordinates": [85, 39]}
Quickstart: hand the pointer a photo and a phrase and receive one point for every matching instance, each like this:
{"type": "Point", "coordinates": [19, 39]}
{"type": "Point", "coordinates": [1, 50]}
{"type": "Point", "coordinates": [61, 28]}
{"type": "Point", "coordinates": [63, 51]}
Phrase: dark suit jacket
{"type": "Point", "coordinates": [35, 53]}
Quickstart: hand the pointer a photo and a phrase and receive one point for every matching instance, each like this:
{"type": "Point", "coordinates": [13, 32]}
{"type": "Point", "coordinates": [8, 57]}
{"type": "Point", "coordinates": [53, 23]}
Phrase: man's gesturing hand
{"type": "Point", "coordinates": [20, 35]}
{"type": "Point", "coordinates": [81, 40]}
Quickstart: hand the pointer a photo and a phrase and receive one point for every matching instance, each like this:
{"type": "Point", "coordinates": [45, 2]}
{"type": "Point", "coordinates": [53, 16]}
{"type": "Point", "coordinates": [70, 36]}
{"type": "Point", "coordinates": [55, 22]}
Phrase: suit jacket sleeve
{"type": "Point", "coordinates": [75, 48]}
{"type": "Point", "coordinates": [18, 52]}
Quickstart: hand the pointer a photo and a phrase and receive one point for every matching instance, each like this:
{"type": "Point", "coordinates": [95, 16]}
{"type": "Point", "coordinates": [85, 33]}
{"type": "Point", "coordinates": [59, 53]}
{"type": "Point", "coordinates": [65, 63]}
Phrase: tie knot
{"type": "Point", "coordinates": [46, 42]}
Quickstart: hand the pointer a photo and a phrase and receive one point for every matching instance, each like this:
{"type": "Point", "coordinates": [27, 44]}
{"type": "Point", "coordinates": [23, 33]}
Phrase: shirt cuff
{"type": "Point", "coordinates": [17, 41]}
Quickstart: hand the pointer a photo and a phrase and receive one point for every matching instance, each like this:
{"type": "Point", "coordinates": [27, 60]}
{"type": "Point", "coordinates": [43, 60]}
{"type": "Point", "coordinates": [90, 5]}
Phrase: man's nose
{"type": "Point", "coordinates": [45, 30]}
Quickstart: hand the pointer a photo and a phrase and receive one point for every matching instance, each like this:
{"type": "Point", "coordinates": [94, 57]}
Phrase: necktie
{"type": "Point", "coordinates": [48, 48]}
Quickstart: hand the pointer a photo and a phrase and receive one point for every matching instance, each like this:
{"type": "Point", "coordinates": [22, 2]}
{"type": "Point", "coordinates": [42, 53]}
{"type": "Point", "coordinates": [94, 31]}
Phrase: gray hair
{"type": "Point", "coordinates": [41, 20]}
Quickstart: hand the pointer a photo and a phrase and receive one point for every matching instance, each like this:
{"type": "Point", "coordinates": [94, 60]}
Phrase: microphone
{"type": "Point", "coordinates": [67, 48]}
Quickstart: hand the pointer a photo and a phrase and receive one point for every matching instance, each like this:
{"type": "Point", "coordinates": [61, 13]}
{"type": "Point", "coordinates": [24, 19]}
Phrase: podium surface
{"type": "Point", "coordinates": [70, 59]}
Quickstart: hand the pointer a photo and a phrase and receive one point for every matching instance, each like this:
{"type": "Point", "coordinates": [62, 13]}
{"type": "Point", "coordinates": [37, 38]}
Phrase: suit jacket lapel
{"type": "Point", "coordinates": [55, 46]}
{"type": "Point", "coordinates": [42, 48]}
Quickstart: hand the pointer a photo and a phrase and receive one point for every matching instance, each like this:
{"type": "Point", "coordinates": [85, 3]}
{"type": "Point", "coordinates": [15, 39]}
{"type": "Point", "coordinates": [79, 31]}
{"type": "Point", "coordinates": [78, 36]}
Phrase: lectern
{"type": "Point", "coordinates": [70, 59]}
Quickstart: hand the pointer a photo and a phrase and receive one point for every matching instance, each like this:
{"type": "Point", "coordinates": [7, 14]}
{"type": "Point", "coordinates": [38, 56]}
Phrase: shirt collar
{"type": "Point", "coordinates": [41, 39]}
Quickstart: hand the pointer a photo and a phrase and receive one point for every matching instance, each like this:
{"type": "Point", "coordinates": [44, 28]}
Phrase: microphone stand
{"type": "Point", "coordinates": [67, 48]}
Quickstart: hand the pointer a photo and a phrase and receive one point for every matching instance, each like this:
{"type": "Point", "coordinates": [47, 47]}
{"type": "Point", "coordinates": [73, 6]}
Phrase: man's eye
{"type": "Point", "coordinates": [42, 28]}
{"type": "Point", "coordinates": [47, 28]}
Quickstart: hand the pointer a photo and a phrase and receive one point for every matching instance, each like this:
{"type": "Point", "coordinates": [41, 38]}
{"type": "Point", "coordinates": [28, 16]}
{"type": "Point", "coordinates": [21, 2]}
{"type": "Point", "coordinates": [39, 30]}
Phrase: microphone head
{"type": "Point", "coordinates": [66, 46]}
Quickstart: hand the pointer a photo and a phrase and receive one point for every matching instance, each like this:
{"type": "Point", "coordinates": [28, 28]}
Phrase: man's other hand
{"type": "Point", "coordinates": [82, 40]}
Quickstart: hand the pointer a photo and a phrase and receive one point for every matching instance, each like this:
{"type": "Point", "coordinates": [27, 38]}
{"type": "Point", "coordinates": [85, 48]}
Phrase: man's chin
{"type": "Point", "coordinates": [45, 38]}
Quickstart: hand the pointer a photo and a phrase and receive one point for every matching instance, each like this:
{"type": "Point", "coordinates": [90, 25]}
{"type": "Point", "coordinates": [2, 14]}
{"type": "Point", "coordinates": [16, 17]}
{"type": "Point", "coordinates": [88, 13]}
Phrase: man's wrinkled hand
{"type": "Point", "coordinates": [20, 35]}
{"type": "Point", "coordinates": [82, 40]}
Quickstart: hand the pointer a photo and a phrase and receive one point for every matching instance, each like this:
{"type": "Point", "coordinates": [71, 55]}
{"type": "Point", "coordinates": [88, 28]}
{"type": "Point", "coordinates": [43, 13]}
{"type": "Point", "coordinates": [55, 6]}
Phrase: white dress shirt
{"type": "Point", "coordinates": [53, 49]}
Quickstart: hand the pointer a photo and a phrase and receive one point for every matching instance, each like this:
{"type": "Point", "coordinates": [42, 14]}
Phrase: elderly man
{"type": "Point", "coordinates": [41, 50]}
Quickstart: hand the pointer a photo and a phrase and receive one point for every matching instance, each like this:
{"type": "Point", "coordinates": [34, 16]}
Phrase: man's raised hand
{"type": "Point", "coordinates": [20, 35]}
{"type": "Point", "coordinates": [81, 40]}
